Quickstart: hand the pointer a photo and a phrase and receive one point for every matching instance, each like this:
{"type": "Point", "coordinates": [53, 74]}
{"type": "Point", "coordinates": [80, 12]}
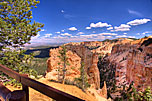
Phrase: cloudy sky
{"type": "Point", "coordinates": [91, 20]}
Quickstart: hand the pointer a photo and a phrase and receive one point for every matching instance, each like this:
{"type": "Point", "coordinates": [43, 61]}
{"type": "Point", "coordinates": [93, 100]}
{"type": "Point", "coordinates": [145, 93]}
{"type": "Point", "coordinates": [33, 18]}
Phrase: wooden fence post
{"type": "Point", "coordinates": [17, 95]}
{"type": "Point", "coordinates": [26, 89]}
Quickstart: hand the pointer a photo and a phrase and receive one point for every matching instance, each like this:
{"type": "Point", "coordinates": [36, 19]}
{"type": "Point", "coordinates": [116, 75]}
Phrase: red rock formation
{"type": "Point", "coordinates": [139, 67]}
{"type": "Point", "coordinates": [86, 52]}
{"type": "Point", "coordinates": [75, 54]}
{"type": "Point", "coordinates": [133, 62]}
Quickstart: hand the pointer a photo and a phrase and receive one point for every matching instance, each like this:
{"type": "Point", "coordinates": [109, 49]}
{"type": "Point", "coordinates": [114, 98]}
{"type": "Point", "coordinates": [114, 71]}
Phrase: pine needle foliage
{"type": "Point", "coordinates": [16, 30]}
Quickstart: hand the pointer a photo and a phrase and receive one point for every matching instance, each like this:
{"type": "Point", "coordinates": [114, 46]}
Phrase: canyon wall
{"type": "Point", "coordinates": [133, 62]}
{"type": "Point", "coordinates": [86, 52]}
{"type": "Point", "coordinates": [76, 54]}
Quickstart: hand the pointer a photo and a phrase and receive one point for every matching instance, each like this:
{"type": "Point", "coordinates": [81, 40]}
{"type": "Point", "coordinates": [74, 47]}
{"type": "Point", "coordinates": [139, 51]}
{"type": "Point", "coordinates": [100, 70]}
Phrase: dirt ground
{"type": "Point", "coordinates": [70, 89]}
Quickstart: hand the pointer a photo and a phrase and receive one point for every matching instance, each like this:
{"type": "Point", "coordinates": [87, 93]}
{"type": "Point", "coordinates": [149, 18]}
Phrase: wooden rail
{"type": "Point", "coordinates": [4, 92]}
{"type": "Point", "coordinates": [42, 88]}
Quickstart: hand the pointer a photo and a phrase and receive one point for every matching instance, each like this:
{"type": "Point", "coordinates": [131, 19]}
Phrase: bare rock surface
{"type": "Point", "coordinates": [133, 62]}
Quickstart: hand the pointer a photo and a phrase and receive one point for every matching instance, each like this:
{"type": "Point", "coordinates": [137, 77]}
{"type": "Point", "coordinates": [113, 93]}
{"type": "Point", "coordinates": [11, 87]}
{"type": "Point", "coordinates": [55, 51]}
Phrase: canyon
{"type": "Point", "coordinates": [131, 60]}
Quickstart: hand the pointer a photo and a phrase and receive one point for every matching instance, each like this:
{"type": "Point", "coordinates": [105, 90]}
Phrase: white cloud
{"type": "Point", "coordinates": [35, 37]}
{"type": "Point", "coordinates": [138, 34]}
{"type": "Point", "coordinates": [124, 36]}
{"type": "Point", "coordinates": [144, 33]}
{"type": "Point", "coordinates": [66, 34]}
{"type": "Point", "coordinates": [147, 32]}
{"type": "Point", "coordinates": [89, 36]}
{"type": "Point", "coordinates": [79, 33]}
{"type": "Point", "coordinates": [66, 37]}
{"type": "Point", "coordinates": [47, 35]}
{"type": "Point", "coordinates": [110, 28]}
{"type": "Point", "coordinates": [59, 37]}
{"type": "Point", "coordinates": [94, 32]}
{"type": "Point", "coordinates": [134, 12]}
{"type": "Point", "coordinates": [42, 30]}
{"type": "Point", "coordinates": [122, 27]}
{"type": "Point", "coordinates": [72, 29]}
{"type": "Point", "coordinates": [98, 36]}
{"type": "Point", "coordinates": [108, 34]}
{"type": "Point", "coordinates": [88, 27]}
{"type": "Point", "coordinates": [99, 24]}
{"type": "Point", "coordinates": [62, 30]}
{"type": "Point", "coordinates": [131, 37]}
{"type": "Point", "coordinates": [58, 32]}
{"type": "Point", "coordinates": [138, 22]}
{"type": "Point", "coordinates": [120, 36]}
{"type": "Point", "coordinates": [124, 33]}
{"type": "Point", "coordinates": [73, 36]}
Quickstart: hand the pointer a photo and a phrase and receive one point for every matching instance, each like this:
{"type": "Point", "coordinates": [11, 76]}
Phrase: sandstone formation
{"type": "Point", "coordinates": [86, 52]}
{"type": "Point", "coordinates": [76, 54]}
{"type": "Point", "coordinates": [133, 62]}
{"type": "Point", "coordinates": [129, 60]}
{"type": "Point", "coordinates": [54, 63]}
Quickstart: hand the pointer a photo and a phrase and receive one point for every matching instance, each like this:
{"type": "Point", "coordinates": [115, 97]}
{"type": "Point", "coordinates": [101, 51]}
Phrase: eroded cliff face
{"type": "Point", "coordinates": [139, 65]}
{"type": "Point", "coordinates": [76, 54]}
{"type": "Point", "coordinates": [128, 60]}
{"type": "Point", "coordinates": [86, 52]}
{"type": "Point", "coordinates": [133, 62]}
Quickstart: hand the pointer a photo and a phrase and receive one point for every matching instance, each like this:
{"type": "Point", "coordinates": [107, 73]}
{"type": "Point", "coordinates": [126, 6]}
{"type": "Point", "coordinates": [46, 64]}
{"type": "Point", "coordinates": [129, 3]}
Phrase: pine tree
{"type": "Point", "coordinates": [16, 29]}
{"type": "Point", "coordinates": [64, 59]}
{"type": "Point", "coordinates": [82, 81]}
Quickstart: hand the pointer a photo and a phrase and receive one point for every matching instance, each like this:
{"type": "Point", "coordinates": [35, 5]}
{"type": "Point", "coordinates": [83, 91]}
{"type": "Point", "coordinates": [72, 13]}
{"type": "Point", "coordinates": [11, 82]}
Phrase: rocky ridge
{"type": "Point", "coordinates": [87, 52]}
{"type": "Point", "coordinates": [129, 60]}
{"type": "Point", "coordinates": [133, 62]}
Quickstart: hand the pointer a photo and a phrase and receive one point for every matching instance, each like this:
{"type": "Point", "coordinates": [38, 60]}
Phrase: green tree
{"type": "Point", "coordinates": [64, 59]}
{"type": "Point", "coordinates": [16, 29]}
{"type": "Point", "coordinates": [132, 94]}
{"type": "Point", "coordinates": [107, 74]}
{"type": "Point", "coordinates": [82, 81]}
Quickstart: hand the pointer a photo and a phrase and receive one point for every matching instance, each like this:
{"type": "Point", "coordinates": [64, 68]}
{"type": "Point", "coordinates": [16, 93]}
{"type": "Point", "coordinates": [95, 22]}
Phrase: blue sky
{"type": "Point", "coordinates": [92, 20]}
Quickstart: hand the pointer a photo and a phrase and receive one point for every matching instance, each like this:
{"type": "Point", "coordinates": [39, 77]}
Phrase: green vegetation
{"type": "Point", "coordinates": [146, 37]}
{"type": "Point", "coordinates": [64, 59]}
{"type": "Point", "coordinates": [16, 29]}
{"type": "Point", "coordinates": [39, 65]}
{"type": "Point", "coordinates": [15, 22]}
{"type": "Point", "coordinates": [92, 47]}
{"type": "Point", "coordinates": [133, 38]}
{"type": "Point", "coordinates": [107, 73]}
{"type": "Point", "coordinates": [132, 94]}
{"type": "Point", "coordinates": [82, 81]}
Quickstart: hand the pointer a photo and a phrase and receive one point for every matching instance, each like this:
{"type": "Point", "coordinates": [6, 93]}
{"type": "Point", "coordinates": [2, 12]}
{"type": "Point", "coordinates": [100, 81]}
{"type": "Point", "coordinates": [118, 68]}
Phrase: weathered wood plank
{"type": "Point", "coordinates": [42, 88]}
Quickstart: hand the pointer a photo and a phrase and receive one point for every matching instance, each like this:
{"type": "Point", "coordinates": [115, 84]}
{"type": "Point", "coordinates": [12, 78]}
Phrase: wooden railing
{"type": "Point", "coordinates": [23, 95]}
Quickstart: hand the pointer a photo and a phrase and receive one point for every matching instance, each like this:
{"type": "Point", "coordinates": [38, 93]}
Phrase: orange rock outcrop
{"type": "Point", "coordinates": [133, 62]}
{"type": "Point", "coordinates": [86, 52]}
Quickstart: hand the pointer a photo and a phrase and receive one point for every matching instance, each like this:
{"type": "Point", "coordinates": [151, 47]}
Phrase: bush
{"type": "Point", "coordinates": [132, 94]}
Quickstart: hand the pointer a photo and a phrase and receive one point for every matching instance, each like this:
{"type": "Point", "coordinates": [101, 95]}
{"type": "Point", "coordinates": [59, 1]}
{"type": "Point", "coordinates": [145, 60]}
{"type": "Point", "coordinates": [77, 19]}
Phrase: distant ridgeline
{"type": "Point", "coordinates": [40, 52]}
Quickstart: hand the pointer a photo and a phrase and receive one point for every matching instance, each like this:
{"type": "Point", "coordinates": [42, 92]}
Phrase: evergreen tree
{"type": "Point", "coordinates": [64, 59]}
{"type": "Point", "coordinates": [82, 81]}
{"type": "Point", "coordinates": [16, 29]}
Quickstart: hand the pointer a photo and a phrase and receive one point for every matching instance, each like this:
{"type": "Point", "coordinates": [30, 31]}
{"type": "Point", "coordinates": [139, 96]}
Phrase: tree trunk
{"type": "Point", "coordinates": [64, 71]}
